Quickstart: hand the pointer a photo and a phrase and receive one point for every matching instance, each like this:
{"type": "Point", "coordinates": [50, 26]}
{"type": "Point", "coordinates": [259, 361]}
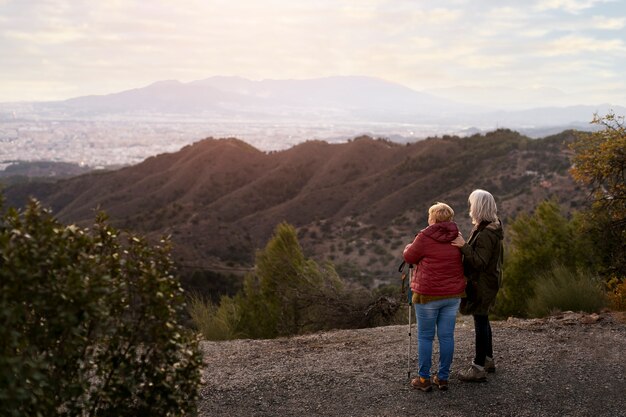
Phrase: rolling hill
{"type": "Point", "coordinates": [356, 204]}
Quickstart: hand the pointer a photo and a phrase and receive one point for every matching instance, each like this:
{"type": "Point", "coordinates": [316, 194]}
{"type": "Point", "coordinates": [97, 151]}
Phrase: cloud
{"type": "Point", "coordinates": [115, 44]}
{"type": "Point", "coordinates": [439, 16]}
{"type": "Point", "coordinates": [608, 23]}
{"type": "Point", "coordinates": [44, 37]}
{"type": "Point", "coordinates": [570, 6]}
{"type": "Point", "coordinates": [580, 45]}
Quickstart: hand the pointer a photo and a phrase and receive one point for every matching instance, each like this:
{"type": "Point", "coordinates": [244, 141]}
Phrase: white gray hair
{"type": "Point", "coordinates": [482, 207]}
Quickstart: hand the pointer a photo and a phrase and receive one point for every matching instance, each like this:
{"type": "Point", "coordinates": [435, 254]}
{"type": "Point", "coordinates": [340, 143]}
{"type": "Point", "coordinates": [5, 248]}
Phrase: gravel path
{"type": "Point", "coordinates": [567, 365]}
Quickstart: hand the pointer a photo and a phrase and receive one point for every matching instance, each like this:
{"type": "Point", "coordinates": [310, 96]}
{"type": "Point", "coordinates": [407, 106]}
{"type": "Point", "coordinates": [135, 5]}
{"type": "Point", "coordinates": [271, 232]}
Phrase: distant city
{"type": "Point", "coordinates": [100, 144]}
{"type": "Point", "coordinates": [127, 127]}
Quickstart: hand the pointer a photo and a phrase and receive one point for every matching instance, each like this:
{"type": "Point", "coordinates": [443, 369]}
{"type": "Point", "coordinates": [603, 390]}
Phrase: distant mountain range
{"type": "Point", "coordinates": [354, 203]}
{"type": "Point", "coordinates": [346, 99]}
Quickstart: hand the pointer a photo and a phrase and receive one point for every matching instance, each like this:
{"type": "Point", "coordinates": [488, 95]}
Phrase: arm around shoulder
{"type": "Point", "coordinates": [479, 254]}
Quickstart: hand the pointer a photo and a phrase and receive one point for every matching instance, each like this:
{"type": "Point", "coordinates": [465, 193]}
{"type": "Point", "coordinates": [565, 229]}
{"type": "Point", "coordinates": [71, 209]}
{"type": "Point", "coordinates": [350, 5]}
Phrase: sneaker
{"type": "Point", "coordinates": [490, 365]}
{"type": "Point", "coordinates": [442, 384]}
{"type": "Point", "coordinates": [421, 384]}
{"type": "Point", "coordinates": [474, 373]}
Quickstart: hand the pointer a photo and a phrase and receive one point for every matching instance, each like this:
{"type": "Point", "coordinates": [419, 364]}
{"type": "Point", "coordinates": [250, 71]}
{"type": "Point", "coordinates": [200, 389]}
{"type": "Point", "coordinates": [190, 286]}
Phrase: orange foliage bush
{"type": "Point", "coordinates": [617, 294]}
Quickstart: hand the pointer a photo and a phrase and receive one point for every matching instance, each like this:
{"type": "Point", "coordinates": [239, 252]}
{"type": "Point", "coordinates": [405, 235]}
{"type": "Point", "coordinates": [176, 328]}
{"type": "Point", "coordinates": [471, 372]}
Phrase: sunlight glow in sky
{"type": "Point", "coordinates": [553, 51]}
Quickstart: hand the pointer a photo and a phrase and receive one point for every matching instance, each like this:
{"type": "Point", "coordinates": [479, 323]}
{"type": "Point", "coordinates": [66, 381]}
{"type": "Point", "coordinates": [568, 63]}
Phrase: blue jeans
{"type": "Point", "coordinates": [439, 316]}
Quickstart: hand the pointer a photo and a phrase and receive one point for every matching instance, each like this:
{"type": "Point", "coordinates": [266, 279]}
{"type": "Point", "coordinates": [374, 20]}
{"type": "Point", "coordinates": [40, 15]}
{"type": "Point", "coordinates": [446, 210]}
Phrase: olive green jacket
{"type": "Point", "coordinates": [482, 263]}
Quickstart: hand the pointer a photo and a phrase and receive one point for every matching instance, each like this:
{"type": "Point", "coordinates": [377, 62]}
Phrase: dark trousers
{"type": "Point", "coordinates": [484, 346]}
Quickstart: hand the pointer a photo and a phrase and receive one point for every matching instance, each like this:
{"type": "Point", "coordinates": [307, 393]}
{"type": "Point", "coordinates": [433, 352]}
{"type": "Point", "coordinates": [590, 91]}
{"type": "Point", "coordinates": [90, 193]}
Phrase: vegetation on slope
{"type": "Point", "coordinates": [558, 262]}
{"type": "Point", "coordinates": [354, 204]}
{"type": "Point", "coordinates": [288, 294]}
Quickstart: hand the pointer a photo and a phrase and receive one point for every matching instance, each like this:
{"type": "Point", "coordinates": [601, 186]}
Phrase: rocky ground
{"type": "Point", "coordinates": [567, 365]}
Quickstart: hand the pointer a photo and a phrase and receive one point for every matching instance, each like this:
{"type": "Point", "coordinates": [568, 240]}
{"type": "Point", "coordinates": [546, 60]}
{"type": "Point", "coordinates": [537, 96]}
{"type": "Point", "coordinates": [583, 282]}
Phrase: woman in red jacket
{"type": "Point", "coordinates": [438, 285]}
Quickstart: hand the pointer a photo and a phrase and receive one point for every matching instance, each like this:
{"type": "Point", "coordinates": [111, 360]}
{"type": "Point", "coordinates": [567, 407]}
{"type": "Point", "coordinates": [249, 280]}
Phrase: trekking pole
{"type": "Point", "coordinates": [409, 304]}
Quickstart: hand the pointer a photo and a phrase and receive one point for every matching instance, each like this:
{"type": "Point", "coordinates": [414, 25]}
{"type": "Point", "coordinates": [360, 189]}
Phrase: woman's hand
{"type": "Point", "coordinates": [458, 241]}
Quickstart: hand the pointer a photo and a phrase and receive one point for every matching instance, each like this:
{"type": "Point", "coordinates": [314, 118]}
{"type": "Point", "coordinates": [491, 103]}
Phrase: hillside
{"type": "Point", "coordinates": [355, 203]}
{"type": "Point", "coordinates": [567, 365]}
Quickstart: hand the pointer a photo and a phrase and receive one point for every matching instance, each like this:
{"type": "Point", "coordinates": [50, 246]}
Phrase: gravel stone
{"type": "Point", "coordinates": [571, 364]}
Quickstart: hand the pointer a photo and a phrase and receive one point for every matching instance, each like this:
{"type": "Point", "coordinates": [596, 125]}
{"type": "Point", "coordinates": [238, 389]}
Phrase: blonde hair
{"type": "Point", "coordinates": [482, 207]}
{"type": "Point", "coordinates": [440, 212]}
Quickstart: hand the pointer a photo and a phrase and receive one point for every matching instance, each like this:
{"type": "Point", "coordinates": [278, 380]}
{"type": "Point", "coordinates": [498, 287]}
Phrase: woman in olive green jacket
{"type": "Point", "coordinates": [482, 262]}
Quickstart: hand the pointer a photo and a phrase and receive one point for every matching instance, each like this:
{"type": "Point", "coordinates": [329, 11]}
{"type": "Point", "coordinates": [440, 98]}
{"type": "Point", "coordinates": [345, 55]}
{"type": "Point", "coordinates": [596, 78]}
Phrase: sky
{"type": "Point", "coordinates": [518, 53]}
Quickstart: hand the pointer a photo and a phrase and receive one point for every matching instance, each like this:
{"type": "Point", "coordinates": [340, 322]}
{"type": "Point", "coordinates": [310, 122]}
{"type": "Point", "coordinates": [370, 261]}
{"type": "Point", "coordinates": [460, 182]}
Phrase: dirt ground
{"type": "Point", "coordinates": [567, 365]}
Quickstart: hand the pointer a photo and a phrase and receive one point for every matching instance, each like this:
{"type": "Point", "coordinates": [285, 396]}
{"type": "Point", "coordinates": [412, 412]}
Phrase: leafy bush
{"type": "Point", "coordinates": [561, 289]}
{"type": "Point", "coordinates": [89, 322]}
{"type": "Point", "coordinates": [617, 294]}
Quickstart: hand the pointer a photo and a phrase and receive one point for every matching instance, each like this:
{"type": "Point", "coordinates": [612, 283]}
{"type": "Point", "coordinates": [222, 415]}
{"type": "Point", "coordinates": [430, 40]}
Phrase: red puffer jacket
{"type": "Point", "coordinates": [439, 270]}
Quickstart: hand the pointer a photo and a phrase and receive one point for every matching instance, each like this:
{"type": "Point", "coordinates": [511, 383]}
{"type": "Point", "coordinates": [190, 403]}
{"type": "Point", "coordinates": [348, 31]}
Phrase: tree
{"type": "Point", "coordinates": [289, 294]}
{"type": "Point", "coordinates": [90, 322]}
{"type": "Point", "coordinates": [537, 242]}
{"type": "Point", "coordinates": [600, 162]}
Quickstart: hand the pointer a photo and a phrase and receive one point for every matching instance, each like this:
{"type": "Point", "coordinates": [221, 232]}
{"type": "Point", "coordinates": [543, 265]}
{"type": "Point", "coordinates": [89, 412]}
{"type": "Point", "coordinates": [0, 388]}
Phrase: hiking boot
{"type": "Point", "coordinates": [442, 384]}
{"type": "Point", "coordinates": [490, 365]}
{"type": "Point", "coordinates": [421, 384]}
{"type": "Point", "coordinates": [474, 373]}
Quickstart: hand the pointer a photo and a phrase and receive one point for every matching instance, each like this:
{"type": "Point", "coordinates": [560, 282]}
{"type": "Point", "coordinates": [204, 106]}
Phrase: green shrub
{"type": "Point", "coordinates": [202, 313]}
{"type": "Point", "coordinates": [213, 322]}
{"type": "Point", "coordinates": [90, 322]}
{"type": "Point", "coordinates": [562, 289]}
